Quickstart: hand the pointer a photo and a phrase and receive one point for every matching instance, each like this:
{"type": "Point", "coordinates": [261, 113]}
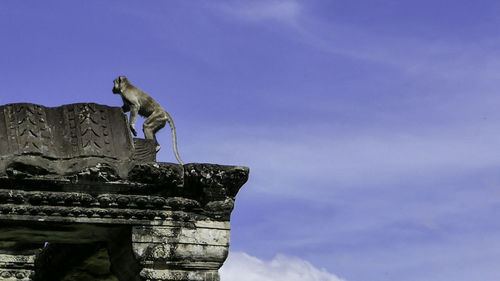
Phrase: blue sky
{"type": "Point", "coordinates": [372, 128]}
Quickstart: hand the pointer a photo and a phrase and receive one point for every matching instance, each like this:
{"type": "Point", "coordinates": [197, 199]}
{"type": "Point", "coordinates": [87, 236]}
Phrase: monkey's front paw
{"type": "Point", "coordinates": [134, 132]}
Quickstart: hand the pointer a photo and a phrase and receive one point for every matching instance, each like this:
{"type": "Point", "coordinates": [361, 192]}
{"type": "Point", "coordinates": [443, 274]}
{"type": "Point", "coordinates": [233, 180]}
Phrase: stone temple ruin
{"type": "Point", "coordinates": [72, 176]}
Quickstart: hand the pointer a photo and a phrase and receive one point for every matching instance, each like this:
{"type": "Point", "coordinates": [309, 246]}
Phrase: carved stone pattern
{"type": "Point", "coordinates": [10, 122]}
{"type": "Point", "coordinates": [16, 267]}
{"type": "Point", "coordinates": [89, 129]}
{"type": "Point", "coordinates": [16, 274]}
{"type": "Point", "coordinates": [31, 123]}
{"type": "Point", "coordinates": [57, 213]}
{"type": "Point", "coordinates": [69, 113]}
{"type": "Point", "coordinates": [93, 130]}
{"type": "Point", "coordinates": [27, 128]}
{"type": "Point", "coordinates": [122, 201]}
{"type": "Point", "coordinates": [64, 132]}
{"type": "Point", "coordinates": [179, 275]}
{"type": "Point", "coordinates": [75, 130]}
{"type": "Point", "coordinates": [66, 204]}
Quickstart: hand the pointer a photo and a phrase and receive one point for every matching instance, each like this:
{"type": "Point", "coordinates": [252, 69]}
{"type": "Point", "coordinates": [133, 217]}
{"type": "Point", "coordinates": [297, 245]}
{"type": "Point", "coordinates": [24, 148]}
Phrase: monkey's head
{"type": "Point", "coordinates": [119, 84]}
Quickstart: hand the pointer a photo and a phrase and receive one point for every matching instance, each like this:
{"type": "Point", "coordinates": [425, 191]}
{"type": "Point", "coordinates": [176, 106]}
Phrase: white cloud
{"type": "Point", "coordinates": [242, 267]}
{"type": "Point", "coordinates": [285, 11]}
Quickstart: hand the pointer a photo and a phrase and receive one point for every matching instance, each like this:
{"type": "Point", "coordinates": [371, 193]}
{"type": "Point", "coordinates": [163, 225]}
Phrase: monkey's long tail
{"type": "Point", "coordinates": [174, 138]}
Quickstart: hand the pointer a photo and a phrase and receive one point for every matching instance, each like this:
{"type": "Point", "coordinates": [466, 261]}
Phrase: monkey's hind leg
{"type": "Point", "coordinates": [153, 124]}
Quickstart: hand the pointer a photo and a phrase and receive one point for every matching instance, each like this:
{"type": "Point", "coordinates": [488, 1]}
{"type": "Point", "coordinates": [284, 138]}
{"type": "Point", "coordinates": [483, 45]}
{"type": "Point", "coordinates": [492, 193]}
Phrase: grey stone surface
{"type": "Point", "coordinates": [73, 176]}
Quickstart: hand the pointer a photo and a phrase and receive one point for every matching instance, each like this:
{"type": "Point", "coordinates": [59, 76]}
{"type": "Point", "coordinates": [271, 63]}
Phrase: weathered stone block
{"type": "Point", "coordinates": [73, 176]}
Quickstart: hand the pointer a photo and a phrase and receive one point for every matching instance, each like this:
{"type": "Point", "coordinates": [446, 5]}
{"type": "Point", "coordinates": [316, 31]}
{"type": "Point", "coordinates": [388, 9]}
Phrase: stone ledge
{"type": "Point", "coordinates": [208, 190]}
{"type": "Point", "coordinates": [73, 176]}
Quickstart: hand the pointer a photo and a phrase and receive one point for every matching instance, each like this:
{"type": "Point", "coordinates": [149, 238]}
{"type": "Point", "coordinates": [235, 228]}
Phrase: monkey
{"type": "Point", "coordinates": [138, 102]}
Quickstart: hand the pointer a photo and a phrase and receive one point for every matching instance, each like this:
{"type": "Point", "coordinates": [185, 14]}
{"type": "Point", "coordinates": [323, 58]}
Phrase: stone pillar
{"type": "Point", "coordinates": [181, 252]}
